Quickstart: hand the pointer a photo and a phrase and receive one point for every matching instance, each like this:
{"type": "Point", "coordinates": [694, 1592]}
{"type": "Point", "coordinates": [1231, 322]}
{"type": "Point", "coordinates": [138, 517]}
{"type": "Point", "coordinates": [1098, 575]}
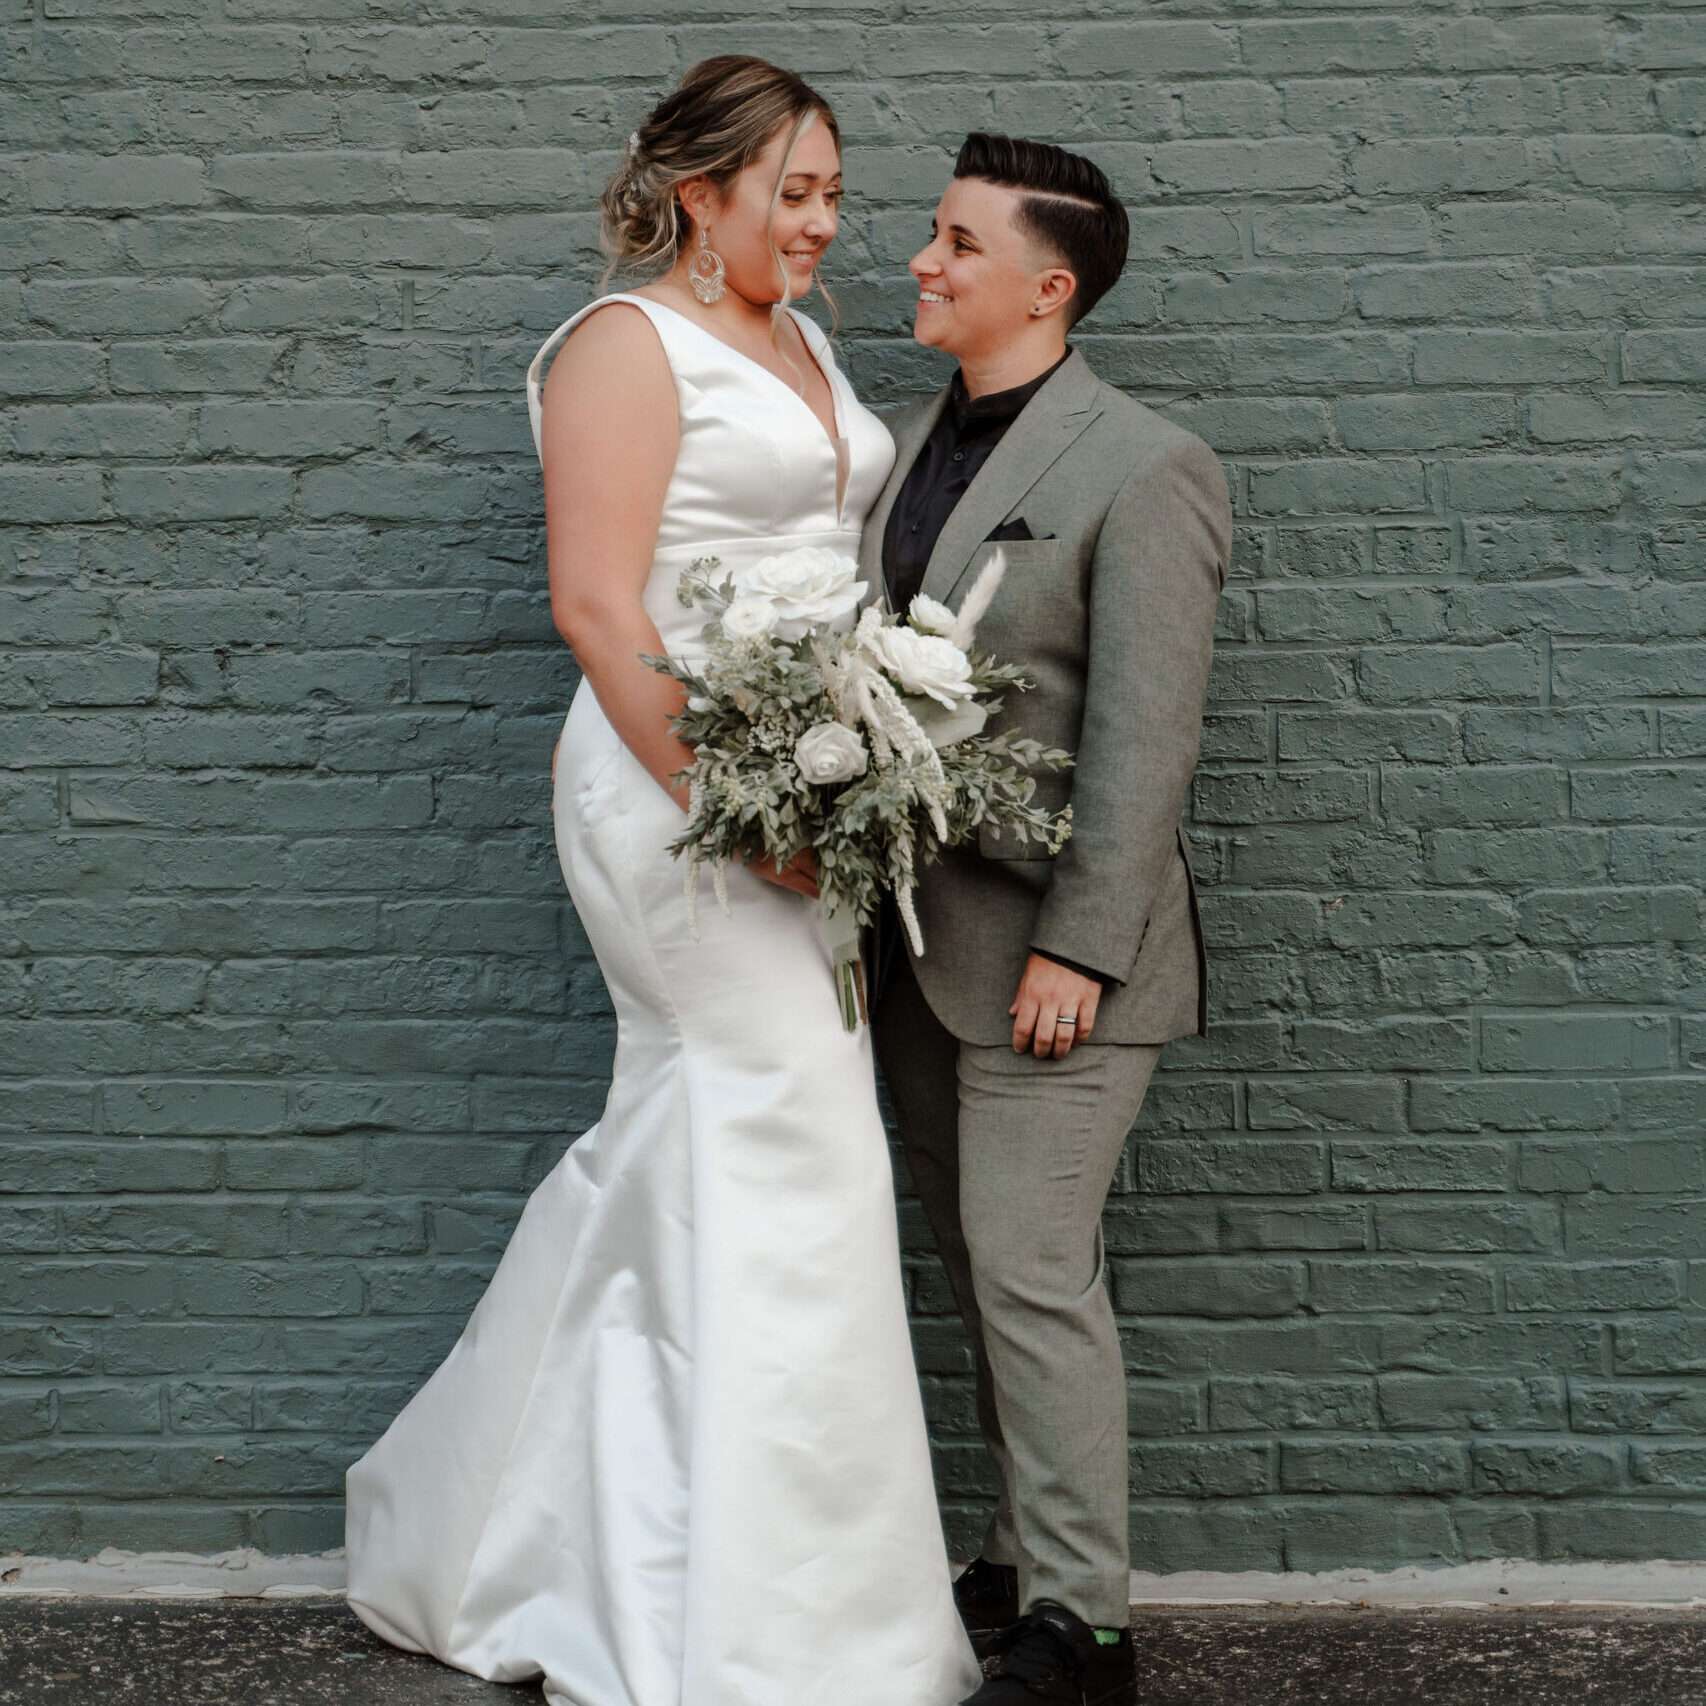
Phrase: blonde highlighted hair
{"type": "Point", "coordinates": [714, 124]}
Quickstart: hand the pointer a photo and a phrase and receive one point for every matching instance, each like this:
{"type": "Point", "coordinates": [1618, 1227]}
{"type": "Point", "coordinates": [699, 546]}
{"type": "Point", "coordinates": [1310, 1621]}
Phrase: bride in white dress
{"type": "Point", "coordinates": [677, 1456]}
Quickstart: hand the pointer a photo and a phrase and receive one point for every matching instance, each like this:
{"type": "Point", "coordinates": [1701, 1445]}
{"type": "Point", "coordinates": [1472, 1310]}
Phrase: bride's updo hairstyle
{"type": "Point", "coordinates": [719, 119]}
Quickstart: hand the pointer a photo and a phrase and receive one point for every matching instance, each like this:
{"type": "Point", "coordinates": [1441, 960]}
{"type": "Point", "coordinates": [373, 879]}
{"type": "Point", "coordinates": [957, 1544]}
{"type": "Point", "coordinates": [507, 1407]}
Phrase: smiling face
{"type": "Point", "coordinates": [741, 225]}
{"type": "Point", "coordinates": [979, 276]}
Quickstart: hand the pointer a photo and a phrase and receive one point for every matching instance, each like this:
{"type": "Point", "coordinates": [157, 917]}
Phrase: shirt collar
{"type": "Point", "coordinates": [996, 405]}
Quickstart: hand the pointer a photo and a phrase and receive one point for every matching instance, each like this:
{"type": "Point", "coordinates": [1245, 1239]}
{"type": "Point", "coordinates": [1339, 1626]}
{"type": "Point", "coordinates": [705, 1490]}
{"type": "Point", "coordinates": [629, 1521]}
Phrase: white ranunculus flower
{"type": "Point", "coordinates": [830, 752]}
{"type": "Point", "coordinates": [808, 586]}
{"type": "Point", "coordinates": [749, 618]}
{"type": "Point", "coordinates": [930, 615]}
{"type": "Point", "coordinates": [924, 663]}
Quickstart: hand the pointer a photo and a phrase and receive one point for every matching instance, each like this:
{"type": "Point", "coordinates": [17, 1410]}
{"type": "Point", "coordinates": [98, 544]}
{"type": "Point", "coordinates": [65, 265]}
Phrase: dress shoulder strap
{"type": "Point", "coordinates": [536, 367]}
{"type": "Point", "coordinates": [817, 339]}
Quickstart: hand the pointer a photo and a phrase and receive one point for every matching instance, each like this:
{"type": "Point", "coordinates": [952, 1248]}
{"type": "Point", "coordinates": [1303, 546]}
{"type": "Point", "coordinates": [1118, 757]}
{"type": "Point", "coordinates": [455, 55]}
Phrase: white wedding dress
{"type": "Point", "coordinates": [677, 1456]}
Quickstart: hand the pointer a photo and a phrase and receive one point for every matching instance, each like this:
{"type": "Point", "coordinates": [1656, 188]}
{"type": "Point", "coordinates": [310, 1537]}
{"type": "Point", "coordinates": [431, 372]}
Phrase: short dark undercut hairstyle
{"type": "Point", "coordinates": [1071, 211]}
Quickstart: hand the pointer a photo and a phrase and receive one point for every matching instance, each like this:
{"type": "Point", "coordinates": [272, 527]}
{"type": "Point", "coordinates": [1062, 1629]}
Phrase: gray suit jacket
{"type": "Point", "coordinates": [1113, 617]}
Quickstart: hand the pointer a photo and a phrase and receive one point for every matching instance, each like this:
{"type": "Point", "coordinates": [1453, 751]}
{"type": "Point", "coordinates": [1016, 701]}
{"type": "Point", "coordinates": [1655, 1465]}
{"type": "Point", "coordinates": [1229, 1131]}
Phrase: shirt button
{"type": "Point", "coordinates": [915, 526]}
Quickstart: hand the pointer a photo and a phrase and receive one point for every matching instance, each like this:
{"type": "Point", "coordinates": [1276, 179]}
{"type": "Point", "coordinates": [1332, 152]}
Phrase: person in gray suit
{"type": "Point", "coordinates": [1019, 1046]}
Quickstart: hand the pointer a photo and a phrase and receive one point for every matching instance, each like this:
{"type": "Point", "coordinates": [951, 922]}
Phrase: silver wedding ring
{"type": "Point", "coordinates": [1066, 1018]}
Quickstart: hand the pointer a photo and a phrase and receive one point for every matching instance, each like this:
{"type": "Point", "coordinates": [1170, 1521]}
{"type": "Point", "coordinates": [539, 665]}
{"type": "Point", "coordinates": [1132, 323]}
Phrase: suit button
{"type": "Point", "coordinates": [959, 456]}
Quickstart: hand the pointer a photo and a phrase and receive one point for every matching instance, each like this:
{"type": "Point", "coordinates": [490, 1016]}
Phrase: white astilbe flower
{"type": "Point", "coordinates": [834, 674]}
{"type": "Point", "coordinates": [908, 735]}
{"type": "Point", "coordinates": [903, 872]}
{"type": "Point", "coordinates": [690, 888]}
{"type": "Point", "coordinates": [903, 730]}
{"type": "Point", "coordinates": [851, 681]}
{"type": "Point", "coordinates": [909, 917]}
{"type": "Point", "coordinates": [690, 879]}
{"type": "Point", "coordinates": [871, 715]}
{"type": "Point", "coordinates": [868, 696]}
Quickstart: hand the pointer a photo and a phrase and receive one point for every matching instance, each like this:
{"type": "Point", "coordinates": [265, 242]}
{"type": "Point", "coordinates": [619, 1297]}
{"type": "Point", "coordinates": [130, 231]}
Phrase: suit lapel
{"type": "Point", "coordinates": [910, 429]}
{"type": "Point", "coordinates": [1053, 418]}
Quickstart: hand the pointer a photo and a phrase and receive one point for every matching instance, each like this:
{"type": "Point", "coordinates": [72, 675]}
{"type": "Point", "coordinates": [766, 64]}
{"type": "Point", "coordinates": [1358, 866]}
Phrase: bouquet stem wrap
{"type": "Point", "coordinates": [840, 928]}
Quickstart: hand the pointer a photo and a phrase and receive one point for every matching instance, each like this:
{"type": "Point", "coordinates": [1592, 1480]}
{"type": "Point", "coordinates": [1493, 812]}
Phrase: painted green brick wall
{"type": "Point", "coordinates": [1411, 1254]}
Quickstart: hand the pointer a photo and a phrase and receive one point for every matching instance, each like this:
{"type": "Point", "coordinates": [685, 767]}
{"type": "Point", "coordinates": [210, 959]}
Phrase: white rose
{"type": "Point", "coordinates": [808, 586]}
{"type": "Point", "coordinates": [830, 752]}
{"type": "Point", "coordinates": [924, 663]}
{"type": "Point", "coordinates": [749, 618]}
{"type": "Point", "coordinates": [930, 615]}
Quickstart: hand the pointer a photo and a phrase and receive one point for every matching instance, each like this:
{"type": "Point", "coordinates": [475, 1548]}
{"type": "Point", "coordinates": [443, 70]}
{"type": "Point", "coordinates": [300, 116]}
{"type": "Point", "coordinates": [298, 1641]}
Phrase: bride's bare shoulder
{"type": "Point", "coordinates": [614, 351]}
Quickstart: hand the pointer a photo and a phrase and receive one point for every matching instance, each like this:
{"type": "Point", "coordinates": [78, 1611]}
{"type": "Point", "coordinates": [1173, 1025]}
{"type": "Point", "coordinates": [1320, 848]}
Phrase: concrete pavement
{"type": "Point", "coordinates": [313, 1651]}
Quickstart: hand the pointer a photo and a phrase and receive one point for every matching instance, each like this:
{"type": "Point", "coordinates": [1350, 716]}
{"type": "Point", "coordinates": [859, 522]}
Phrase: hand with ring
{"type": "Point", "coordinates": [1054, 1010]}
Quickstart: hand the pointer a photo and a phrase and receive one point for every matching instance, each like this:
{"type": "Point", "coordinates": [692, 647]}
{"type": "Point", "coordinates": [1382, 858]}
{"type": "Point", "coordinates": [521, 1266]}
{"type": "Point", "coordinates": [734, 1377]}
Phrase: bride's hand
{"type": "Point", "coordinates": [799, 874]}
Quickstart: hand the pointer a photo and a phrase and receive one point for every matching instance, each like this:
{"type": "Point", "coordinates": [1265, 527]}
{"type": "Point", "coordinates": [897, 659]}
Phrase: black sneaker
{"type": "Point", "coordinates": [1051, 1655]}
{"type": "Point", "coordinates": [986, 1596]}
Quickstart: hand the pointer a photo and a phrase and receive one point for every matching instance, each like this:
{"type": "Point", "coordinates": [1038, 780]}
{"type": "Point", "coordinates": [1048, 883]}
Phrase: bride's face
{"type": "Point", "coordinates": [742, 226]}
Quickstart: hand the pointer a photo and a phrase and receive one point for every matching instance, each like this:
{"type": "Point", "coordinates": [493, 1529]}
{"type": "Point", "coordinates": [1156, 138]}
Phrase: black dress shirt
{"type": "Point", "coordinates": [965, 433]}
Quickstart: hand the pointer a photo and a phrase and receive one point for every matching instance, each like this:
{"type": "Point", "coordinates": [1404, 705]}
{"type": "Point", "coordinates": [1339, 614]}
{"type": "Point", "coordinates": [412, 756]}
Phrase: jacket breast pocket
{"type": "Point", "coordinates": [1038, 613]}
{"type": "Point", "coordinates": [1030, 574]}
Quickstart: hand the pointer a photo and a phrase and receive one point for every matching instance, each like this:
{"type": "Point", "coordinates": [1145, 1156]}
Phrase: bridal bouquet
{"type": "Point", "coordinates": [863, 741]}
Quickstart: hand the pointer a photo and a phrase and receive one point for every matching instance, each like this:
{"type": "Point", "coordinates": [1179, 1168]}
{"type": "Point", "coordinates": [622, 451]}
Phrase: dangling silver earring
{"type": "Point", "coordinates": [705, 271]}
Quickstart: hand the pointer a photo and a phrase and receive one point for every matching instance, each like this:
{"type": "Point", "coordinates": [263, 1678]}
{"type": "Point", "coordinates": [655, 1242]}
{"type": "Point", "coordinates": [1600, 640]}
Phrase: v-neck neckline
{"type": "Point", "coordinates": [838, 437]}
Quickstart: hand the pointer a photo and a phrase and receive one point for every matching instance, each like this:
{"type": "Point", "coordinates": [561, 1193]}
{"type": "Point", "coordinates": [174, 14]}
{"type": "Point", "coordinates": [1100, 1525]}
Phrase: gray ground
{"type": "Point", "coordinates": [248, 1652]}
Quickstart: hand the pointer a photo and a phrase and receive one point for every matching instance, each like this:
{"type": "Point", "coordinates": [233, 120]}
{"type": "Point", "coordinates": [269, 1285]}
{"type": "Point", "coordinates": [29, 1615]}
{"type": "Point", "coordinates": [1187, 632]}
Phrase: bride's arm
{"type": "Point", "coordinates": [608, 437]}
{"type": "Point", "coordinates": [608, 441]}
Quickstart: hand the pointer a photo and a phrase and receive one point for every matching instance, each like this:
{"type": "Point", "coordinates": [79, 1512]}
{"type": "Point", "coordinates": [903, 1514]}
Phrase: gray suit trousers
{"type": "Point", "coordinates": [1013, 1158]}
